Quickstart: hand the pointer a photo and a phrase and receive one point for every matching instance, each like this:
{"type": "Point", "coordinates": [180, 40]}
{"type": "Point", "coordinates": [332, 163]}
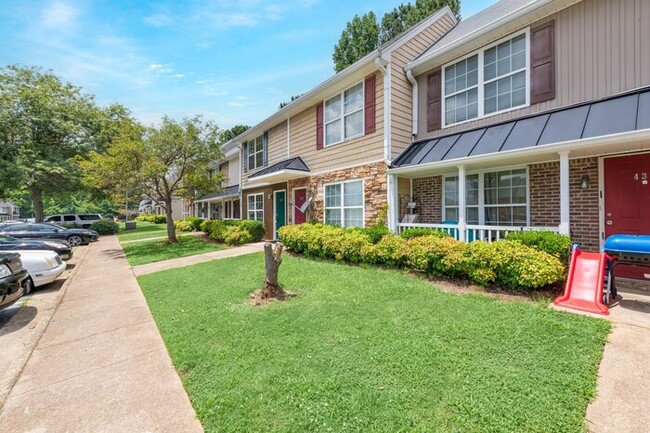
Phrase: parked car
{"type": "Point", "coordinates": [12, 275]}
{"type": "Point", "coordinates": [8, 243]}
{"type": "Point", "coordinates": [42, 266]}
{"type": "Point", "coordinates": [79, 220]}
{"type": "Point", "coordinates": [72, 237]}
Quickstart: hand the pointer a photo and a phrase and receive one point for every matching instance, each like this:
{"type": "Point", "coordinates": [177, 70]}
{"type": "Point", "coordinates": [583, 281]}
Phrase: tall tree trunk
{"type": "Point", "coordinates": [273, 259]}
{"type": "Point", "coordinates": [171, 231]}
{"type": "Point", "coordinates": [37, 201]}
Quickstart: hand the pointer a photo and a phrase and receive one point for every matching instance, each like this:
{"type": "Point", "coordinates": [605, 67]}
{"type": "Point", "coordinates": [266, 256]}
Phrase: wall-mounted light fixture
{"type": "Point", "coordinates": [584, 181]}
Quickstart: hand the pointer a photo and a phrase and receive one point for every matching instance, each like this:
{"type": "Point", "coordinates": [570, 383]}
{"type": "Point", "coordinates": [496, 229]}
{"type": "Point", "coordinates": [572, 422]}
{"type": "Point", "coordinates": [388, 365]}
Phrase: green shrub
{"type": "Point", "coordinates": [437, 255]}
{"type": "Point", "coordinates": [389, 251]}
{"type": "Point", "coordinates": [376, 232]}
{"type": "Point", "coordinates": [160, 219]}
{"type": "Point", "coordinates": [152, 218]}
{"type": "Point", "coordinates": [105, 227]}
{"type": "Point", "coordinates": [183, 226]}
{"type": "Point", "coordinates": [555, 244]}
{"type": "Point", "coordinates": [236, 235]}
{"type": "Point", "coordinates": [512, 265]}
{"type": "Point", "coordinates": [255, 228]}
{"type": "Point", "coordinates": [195, 222]}
{"type": "Point", "coordinates": [415, 232]}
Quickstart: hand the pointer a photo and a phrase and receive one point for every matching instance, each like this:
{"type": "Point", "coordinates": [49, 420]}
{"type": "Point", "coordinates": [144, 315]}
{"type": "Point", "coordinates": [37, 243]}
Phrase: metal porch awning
{"type": "Point", "coordinates": [282, 171]}
{"type": "Point", "coordinates": [627, 112]}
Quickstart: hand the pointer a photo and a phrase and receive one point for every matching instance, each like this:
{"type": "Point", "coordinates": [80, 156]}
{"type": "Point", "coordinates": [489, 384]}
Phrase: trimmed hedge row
{"type": "Point", "coordinates": [555, 244]}
{"type": "Point", "coordinates": [509, 264]}
{"type": "Point", "coordinates": [234, 232]}
{"type": "Point", "coordinates": [105, 227]}
{"type": "Point", "coordinates": [189, 224]}
{"type": "Point", "coordinates": [152, 218]}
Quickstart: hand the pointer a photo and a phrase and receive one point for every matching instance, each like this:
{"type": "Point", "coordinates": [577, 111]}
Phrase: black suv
{"type": "Point", "coordinates": [12, 275]}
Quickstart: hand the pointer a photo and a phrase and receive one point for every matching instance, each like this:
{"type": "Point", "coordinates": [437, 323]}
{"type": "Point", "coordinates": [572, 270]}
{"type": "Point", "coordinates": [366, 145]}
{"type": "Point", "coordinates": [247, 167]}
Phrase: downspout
{"type": "Point", "coordinates": [414, 101]}
{"type": "Point", "coordinates": [386, 72]}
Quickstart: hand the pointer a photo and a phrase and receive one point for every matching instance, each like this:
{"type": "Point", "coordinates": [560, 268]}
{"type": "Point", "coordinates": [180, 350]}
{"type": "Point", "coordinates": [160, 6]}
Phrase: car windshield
{"type": "Point", "coordinates": [4, 239]}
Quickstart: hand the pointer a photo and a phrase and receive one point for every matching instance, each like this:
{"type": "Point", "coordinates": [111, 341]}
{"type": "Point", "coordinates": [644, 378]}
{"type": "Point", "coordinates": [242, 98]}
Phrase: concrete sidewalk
{"type": "Point", "coordinates": [100, 365]}
{"type": "Point", "coordinates": [150, 268]}
{"type": "Point", "coordinates": [623, 401]}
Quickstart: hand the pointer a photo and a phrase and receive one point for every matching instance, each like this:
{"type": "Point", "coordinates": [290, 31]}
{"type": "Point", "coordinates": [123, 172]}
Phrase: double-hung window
{"type": "Point", "coordinates": [344, 115]}
{"type": "Point", "coordinates": [256, 207]}
{"type": "Point", "coordinates": [255, 153]}
{"type": "Point", "coordinates": [344, 204]}
{"type": "Point", "coordinates": [492, 80]}
{"type": "Point", "coordinates": [497, 198]}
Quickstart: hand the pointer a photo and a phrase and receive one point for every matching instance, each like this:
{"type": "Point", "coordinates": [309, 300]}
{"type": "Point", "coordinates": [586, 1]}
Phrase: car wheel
{"type": "Point", "coordinates": [74, 240]}
{"type": "Point", "coordinates": [28, 286]}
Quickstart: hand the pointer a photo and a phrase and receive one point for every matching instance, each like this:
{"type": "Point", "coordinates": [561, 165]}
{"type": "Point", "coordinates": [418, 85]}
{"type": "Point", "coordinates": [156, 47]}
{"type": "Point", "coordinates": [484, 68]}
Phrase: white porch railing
{"type": "Point", "coordinates": [475, 232]}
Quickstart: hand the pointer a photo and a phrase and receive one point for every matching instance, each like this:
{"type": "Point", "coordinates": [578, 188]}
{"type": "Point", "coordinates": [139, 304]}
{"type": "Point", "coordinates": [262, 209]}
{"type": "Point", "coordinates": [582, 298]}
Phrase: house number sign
{"type": "Point", "coordinates": [641, 176]}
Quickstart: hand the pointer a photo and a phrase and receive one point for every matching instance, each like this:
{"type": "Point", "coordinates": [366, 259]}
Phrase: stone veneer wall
{"type": "Point", "coordinates": [375, 187]}
{"type": "Point", "coordinates": [427, 194]}
{"type": "Point", "coordinates": [584, 205]}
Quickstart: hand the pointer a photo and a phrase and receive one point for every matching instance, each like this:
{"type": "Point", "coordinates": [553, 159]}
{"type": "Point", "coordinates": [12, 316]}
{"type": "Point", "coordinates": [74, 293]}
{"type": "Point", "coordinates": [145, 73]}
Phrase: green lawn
{"type": "Point", "coordinates": [145, 230]}
{"type": "Point", "coordinates": [369, 350]}
{"type": "Point", "coordinates": [140, 253]}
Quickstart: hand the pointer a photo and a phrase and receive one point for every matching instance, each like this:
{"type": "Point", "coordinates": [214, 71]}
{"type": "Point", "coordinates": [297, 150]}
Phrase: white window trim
{"type": "Point", "coordinates": [341, 94]}
{"type": "Point", "coordinates": [254, 154]}
{"type": "Point", "coordinates": [481, 192]}
{"type": "Point", "coordinates": [342, 207]}
{"type": "Point", "coordinates": [482, 83]}
{"type": "Point", "coordinates": [248, 209]}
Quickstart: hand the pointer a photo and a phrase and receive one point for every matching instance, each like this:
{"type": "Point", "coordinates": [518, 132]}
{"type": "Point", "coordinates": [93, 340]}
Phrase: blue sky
{"type": "Point", "coordinates": [231, 61]}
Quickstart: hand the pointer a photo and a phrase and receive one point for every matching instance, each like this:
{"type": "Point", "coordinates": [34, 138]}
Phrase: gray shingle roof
{"type": "Point", "coordinates": [226, 192]}
{"type": "Point", "coordinates": [290, 164]}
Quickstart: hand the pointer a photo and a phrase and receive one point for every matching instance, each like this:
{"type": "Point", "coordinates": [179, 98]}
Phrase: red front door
{"type": "Point", "coordinates": [299, 198]}
{"type": "Point", "coordinates": [627, 202]}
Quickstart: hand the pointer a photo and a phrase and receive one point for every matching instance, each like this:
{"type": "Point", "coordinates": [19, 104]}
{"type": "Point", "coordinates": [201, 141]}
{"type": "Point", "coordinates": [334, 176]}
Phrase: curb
{"type": "Point", "coordinates": [12, 374]}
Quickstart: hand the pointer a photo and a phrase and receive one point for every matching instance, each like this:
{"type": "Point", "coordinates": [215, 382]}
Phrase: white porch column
{"type": "Point", "coordinates": [461, 203]}
{"type": "Point", "coordinates": [209, 216]}
{"type": "Point", "coordinates": [393, 203]}
{"type": "Point", "coordinates": [565, 213]}
{"type": "Point", "coordinates": [196, 209]}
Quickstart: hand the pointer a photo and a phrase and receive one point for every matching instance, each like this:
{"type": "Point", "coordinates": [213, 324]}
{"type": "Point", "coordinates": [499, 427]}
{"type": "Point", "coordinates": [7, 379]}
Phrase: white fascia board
{"type": "Point", "coordinates": [531, 151]}
{"type": "Point", "coordinates": [281, 175]}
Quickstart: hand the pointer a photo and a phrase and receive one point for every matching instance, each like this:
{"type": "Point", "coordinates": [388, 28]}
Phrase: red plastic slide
{"type": "Point", "coordinates": [584, 284]}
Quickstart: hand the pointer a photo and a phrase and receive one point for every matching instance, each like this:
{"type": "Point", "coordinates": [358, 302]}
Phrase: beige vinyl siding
{"type": "Point", "coordinates": [602, 47]}
{"type": "Point", "coordinates": [233, 171]}
{"type": "Point", "coordinates": [365, 149]}
{"type": "Point", "coordinates": [277, 148]}
{"type": "Point", "coordinates": [401, 88]}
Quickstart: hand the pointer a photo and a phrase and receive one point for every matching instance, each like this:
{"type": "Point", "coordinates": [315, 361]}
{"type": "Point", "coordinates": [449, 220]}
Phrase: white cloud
{"type": "Point", "coordinates": [158, 20]}
{"type": "Point", "coordinates": [178, 76]}
{"type": "Point", "coordinates": [59, 15]}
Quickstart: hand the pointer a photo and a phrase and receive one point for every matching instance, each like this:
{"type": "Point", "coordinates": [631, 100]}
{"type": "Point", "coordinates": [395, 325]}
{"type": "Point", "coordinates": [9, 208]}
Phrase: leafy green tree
{"type": "Point", "coordinates": [164, 163]}
{"type": "Point", "coordinates": [364, 34]}
{"type": "Point", "coordinates": [293, 98]}
{"type": "Point", "coordinates": [231, 133]}
{"type": "Point", "coordinates": [45, 126]}
{"type": "Point", "coordinates": [360, 37]}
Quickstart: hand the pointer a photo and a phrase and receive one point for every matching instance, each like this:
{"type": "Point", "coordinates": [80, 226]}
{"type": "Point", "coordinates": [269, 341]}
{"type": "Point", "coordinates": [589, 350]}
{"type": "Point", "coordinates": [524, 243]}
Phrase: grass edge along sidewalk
{"type": "Point", "coordinates": [367, 349]}
{"type": "Point", "coordinates": [140, 253]}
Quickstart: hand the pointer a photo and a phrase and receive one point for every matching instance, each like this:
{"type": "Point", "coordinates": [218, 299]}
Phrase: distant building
{"type": "Point", "coordinates": [9, 211]}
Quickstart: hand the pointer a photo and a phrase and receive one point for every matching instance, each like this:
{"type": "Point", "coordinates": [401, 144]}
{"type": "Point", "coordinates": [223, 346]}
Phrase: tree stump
{"type": "Point", "coordinates": [272, 261]}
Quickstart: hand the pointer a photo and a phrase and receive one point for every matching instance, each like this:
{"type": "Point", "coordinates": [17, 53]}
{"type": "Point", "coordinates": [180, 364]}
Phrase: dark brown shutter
{"type": "Point", "coordinates": [369, 105]}
{"type": "Point", "coordinates": [319, 126]}
{"type": "Point", "coordinates": [542, 63]}
{"type": "Point", "coordinates": [434, 101]}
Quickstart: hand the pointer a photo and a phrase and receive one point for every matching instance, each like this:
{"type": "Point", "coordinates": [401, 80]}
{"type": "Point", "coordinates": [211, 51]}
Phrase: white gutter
{"type": "Point", "coordinates": [385, 70]}
{"type": "Point", "coordinates": [414, 101]}
{"type": "Point", "coordinates": [532, 151]}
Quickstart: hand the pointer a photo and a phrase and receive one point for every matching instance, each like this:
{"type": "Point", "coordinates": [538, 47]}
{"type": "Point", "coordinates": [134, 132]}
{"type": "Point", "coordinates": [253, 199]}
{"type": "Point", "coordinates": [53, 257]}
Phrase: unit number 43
{"type": "Point", "coordinates": [641, 176]}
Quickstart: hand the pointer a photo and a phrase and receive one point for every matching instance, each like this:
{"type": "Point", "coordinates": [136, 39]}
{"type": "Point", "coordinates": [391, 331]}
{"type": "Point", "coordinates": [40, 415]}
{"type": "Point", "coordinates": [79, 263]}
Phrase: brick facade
{"type": "Point", "coordinates": [544, 186]}
{"type": "Point", "coordinates": [584, 205]}
{"type": "Point", "coordinates": [375, 187]}
{"type": "Point", "coordinates": [427, 194]}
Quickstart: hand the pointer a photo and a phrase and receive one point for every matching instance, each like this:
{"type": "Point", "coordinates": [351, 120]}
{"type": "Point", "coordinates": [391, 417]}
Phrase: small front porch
{"type": "Point", "coordinates": [224, 205]}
